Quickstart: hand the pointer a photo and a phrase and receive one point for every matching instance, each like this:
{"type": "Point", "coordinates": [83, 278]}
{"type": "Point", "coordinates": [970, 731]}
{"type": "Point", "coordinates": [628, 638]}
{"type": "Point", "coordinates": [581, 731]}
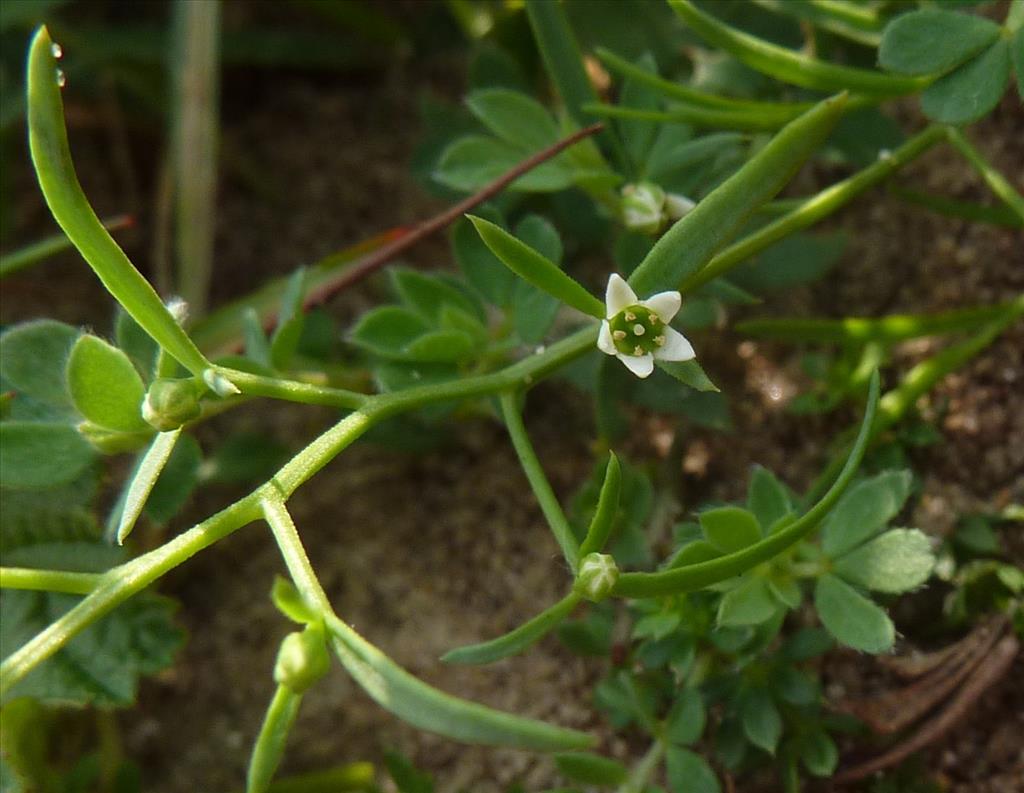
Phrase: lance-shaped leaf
{"type": "Point", "coordinates": [51, 156]}
{"type": "Point", "coordinates": [270, 744]}
{"type": "Point", "coordinates": [146, 473]}
{"type": "Point", "coordinates": [692, 241]}
{"type": "Point", "coordinates": [427, 708]}
{"type": "Point", "coordinates": [536, 268]}
{"type": "Point", "coordinates": [517, 640]}
{"type": "Point", "coordinates": [607, 509]}
{"type": "Point", "coordinates": [788, 65]}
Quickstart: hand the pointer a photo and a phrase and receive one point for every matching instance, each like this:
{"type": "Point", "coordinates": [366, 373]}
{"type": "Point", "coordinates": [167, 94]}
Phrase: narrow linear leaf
{"type": "Point", "coordinates": [104, 385]}
{"type": "Point", "coordinates": [788, 65]}
{"type": "Point", "coordinates": [540, 271]}
{"type": "Point", "coordinates": [517, 640]}
{"type": "Point", "coordinates": [849, 616]}
{"type": "Point", "coordinates": [607, 509]}
{"type": "Point", "coordinates": [429, 709]}
{"type": "Point", "coordinates": [51, 156]}
{"type": "Point", "coordinates": [270, 744]}
{"type": "Point", "coordinates": [146, 473]}
{"type": "Point", "coordinates": [692, 241]}
{"type": "Point", "coordinates": [689, 373]}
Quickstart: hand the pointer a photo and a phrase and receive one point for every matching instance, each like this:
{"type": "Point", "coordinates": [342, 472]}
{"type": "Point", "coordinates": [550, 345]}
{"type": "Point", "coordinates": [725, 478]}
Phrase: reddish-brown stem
{"type": "Point", "coordinates": [411, 236]}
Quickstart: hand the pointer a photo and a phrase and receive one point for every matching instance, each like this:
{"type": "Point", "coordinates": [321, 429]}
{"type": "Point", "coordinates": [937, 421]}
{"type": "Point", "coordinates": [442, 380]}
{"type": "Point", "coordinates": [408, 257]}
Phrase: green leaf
{"type": "Point", "coordinates": [517, 640]}
{"type": "Point", "coordinates": [972, 90]}
{"type": "Point", "coordinates": [272, 739]}
{"type": "Point", "coordinates": [136, 343]}
{"type": "Point", "coordinates": [1017, 52]}
{"type": "Point", "coordinates": [786, 590]}
{"type": "Point", "coordinates": [388, 330]}
{"type": "Point", "coordinates": [657, 625]}
{"type": "Point", "coordinates": [851, 618]}
{"type": "Point", "coordinates": [692, 241]}
{"type": "Point", "coordinates": [688, 373]}
{"type": "Point", "coordinates": [767, 497]}
{"type": "Point", "coordinates": [762, 723]}
{"type": "Point", "coordinates": [51, 156]}
{"type": "Point", "coordinates": [427, 708]}
{"type": "Point", "coordinates": [750, 603]}
{"type": "Point", "coordinates": [257, 347]}
{"type": "Point", "coordinates": [101, 665]}
{"type": "Point", "coordinates": [863, 511]}
{"type": "Point", "coordinates": [795, 687]}
{"type": "Point", "coordinates": [685, 723]}
{"type": "Point", "coordinates": [41, 455]}
{"type": "Point", "coordinates": [484, 271]}
{"type": "Point", "coordinates": [429, 295]}
{"type": "Point", "coordinates": [536, 268]}
{"type": "Point", "coordinates": [607, 509]}
{"type": "Point", "coordinates": [176, 481]}
{"type": "Point", "coordinates": [290, 320]}
{"type": "Point", "coordinates": [472, 162]}
{"type": "Point", "coordinates": [819, 753]}
{"type": "Point", "coordinates": [638, 136]}
{"type": "Point", "coordinates": [729, 528]}
{"type": "Point", "coordinates": [688, 772]}
{"type": "Point", "coordinates": [150, 464]}
{"type": "Point", "coordinates": [932, 40]}
{"type": "Point", "coordinates": [406, 776]}
{"type": "Point", "coordinates": [693, 553]}
{"type": "Point", "coordinates": [796, 259]}
{"type": "Point", "coordinates": [105, 386]}
{"type": "Point", "coordinates": [32, 359]}
{"type": "Point", "coordinates": [514, 117]}
{"type": "Point", "coordinates": [290, 603]}
{"type": "Point", "coordinates": [591, 635]}
{"type": "Point", "coordinates": [590, 768]}
{"type": "Point", "coordinates": [896, 561]}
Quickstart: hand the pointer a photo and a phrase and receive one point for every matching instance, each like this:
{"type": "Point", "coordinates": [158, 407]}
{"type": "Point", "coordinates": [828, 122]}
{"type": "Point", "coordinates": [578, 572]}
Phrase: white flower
{"type": "Point", "coordinates": [637, 331]}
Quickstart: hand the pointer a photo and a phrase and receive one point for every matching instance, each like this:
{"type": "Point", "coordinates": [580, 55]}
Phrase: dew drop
{"type": "Point", "coordinates": [57, 50]}
{"type": "Point", "coordinates": [61, 79]}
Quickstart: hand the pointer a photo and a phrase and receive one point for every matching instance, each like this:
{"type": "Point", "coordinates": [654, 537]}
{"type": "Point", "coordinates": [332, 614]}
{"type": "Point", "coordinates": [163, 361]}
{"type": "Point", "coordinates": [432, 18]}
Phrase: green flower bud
{"type": "Point", "coordinates": [107, 441]}
{"type": "Point", "coordinates": [643, 207]}
{"type": "Point", "coordinates": [596, 577]}
{"type": "Point", "coordinates": [302, 659]}
{"type": "Point", "coordinates": [170, 403]}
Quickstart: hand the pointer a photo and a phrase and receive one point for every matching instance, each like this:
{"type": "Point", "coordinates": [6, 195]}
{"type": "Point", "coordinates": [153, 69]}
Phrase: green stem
{"type": "Point", "coordinates": [48, 580]}
{"type": "Point", "coordinates": [642, 771]}
{"type": "Point", "coordinates": [538, 481]}
{"type": "Point", "coordinates": [702, 574]}
{"type": "Point", "coordinates": [996, 181]}
{"type": "Point", "coordinates": [292, 390]}
{"type": "Point", "coordinates": [813, 209]}
{"type": "Point", "coordinates": [118, 584]}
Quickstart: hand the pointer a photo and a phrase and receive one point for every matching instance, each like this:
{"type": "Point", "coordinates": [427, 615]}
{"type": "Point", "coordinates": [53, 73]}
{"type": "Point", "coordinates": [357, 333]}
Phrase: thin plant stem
{"type": "Point", "coordinates": [642, 771]}
{"type": "Point", "coordinates": [538, 481]}
{"type": "Point", "coordinates": [813, 209]}
{"type": "Point", "coordinates": [997, 183]}
{"type": "Point", "coordinates": [293, 390]}
{"type": "Point", "coordinates": [120, 583]}
{"type": "Point", "coordinates": [48, 580]}
{"type": "Point", "coordinates": [36, 252]}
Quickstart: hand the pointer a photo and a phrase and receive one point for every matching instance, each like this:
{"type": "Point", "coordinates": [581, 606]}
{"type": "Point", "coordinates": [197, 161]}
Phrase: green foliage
{"type": "Point", "coordinates": [104, 385]}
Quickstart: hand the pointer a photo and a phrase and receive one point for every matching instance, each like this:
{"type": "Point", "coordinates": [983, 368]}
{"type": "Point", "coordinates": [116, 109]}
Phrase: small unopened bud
{"type": "Point", "coordinates": [302, 660]}
{"type": "Point", "coordinates": [170, 403]}
{"type": "Point", "coordinates": [678, 206]}
{"type": "Point", "coordinates": [597, 576]}
{"type": "Point", "coordinates": [643, 207]}
{"type": "Point", "coordinates": [219, 384]}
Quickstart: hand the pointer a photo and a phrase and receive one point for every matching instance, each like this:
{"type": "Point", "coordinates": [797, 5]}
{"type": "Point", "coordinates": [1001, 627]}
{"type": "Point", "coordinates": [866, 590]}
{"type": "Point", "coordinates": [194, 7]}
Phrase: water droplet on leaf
{"type": "Point", "coordinates": [57, 50]}
{"type": "Point", "coordinates": [61, 79]}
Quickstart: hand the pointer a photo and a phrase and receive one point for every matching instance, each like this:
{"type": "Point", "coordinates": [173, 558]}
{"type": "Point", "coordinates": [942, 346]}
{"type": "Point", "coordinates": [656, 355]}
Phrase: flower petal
{"type": "Point", "coordinates": [619, 295]}
{"type": "Point", "coordinates": [676, 348]}
{"type": "Point", "coordinates": [640, 365]}
{"type": "Point", "coordinates": [664, 304]}
{"type": "Point", "coordinates": [605, 343]}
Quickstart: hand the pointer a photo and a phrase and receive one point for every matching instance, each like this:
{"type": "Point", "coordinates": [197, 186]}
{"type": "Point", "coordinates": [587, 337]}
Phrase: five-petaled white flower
{"type": "Point", "coordinates": [637, 331]}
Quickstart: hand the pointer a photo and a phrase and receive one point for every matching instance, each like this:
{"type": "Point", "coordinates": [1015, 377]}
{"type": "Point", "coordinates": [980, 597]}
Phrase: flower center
{"type": "Point", "coordinates": [637, 330]}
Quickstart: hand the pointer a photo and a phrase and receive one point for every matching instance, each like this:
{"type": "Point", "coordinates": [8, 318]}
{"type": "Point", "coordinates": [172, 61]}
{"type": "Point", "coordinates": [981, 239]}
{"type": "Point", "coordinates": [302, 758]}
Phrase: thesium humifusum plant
{"type": "Point", "coordinates": [631, 189]}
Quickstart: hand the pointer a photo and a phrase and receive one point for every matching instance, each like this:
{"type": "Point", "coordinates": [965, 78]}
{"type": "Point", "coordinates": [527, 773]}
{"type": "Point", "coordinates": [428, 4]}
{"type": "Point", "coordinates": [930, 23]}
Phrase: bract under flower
{"type": "Point", "coordinates": [637, 331]}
